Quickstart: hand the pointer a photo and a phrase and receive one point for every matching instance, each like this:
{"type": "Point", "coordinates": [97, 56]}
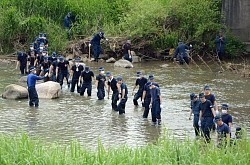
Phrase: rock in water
{"type": "Point", "coordinates": [136, 59]}
{"type": "Point", "coordinates": [164, 66]}
{"type": "Point", "coordinates": [123, 63]}
{"type": "Point", "coordinates": [14, 91]}
{"type": "Point", "coordinates": [48, 90]}
{"type": "Point", "coordinates": [111, 60]}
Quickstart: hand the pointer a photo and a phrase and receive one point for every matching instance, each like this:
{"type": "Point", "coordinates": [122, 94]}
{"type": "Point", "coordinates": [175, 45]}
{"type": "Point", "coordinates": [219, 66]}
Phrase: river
{"type": "Point", "coordinates": [87, 119]}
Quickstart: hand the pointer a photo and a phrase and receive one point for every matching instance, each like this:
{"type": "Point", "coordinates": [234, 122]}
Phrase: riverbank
{"type": "Point", "coordinates": [21, 149]}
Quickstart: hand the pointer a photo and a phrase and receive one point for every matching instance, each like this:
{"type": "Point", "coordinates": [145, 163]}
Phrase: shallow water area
{"type": "Point", "coordinates": [87, 119]}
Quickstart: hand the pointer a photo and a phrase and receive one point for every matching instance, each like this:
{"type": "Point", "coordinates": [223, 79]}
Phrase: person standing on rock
{"type": "Point", "coordinates": [123, 95]}
{"type": "Point", "coordinates": [77, 70]}
{"type": "Point", "coordinates": [22, 62]}
{"type": "Point", "coordinates": [146, 96]}
{"type": "Point", "coordinates": [155, 103]}
{"type": "Point", "coordinates": [181, 50]}
{"type": "Point", "coordinates": [220, 42]}
{"type": "Point", "coordinates": [112, 83]}
{"type": "Point", "coordinates": [127, 51]}
{"type": "Point", "coordinates": [62, 71]}
{"type": "Point", "coordinates": [96, 44]}
{"type": "Point", "coordinates": [140, 81]}
{"type": "Point", "coordinates": [68, 23]}
{"type": "Point", "coordinates": [86, 79]}
{"type": "Point", "coordinates": [100, 84]}
{"type": "Point", "coordinates": [31, 83]}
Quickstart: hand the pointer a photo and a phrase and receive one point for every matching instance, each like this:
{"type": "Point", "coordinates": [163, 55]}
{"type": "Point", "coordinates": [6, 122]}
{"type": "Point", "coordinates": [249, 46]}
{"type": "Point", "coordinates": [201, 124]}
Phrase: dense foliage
{"type": "Point", "coordinates": [157, 24]}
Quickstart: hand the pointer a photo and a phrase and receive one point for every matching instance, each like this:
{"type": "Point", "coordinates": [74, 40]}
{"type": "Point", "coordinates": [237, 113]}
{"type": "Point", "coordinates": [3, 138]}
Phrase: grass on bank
{"type": "Point", "coordinates": [21, 149]}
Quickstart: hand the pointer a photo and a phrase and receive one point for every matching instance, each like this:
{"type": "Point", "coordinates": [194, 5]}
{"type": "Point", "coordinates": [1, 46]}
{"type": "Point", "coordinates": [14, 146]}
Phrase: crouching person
{"type": "Point", "coordinates": [223, 132]}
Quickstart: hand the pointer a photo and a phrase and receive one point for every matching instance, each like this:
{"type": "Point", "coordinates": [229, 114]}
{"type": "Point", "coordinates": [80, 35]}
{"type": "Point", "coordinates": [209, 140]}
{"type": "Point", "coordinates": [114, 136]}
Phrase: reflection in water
{"type": "Point", "coordinates": [87, 119]}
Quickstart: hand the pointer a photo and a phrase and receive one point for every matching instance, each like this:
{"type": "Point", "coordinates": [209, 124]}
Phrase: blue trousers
{"type": "Point", "coordinates": [63, 75]}
{"type": "Point", "coordinates": [33, 97]}
{"type": "Point", "coordinates": [74, 83]}
{"type": "Point", "coordinates": [121, 106]}
{"type": "Point", "coordinates": [206, 126]}
{"type": "Point", "coordinates": [96, 51]}
{"type": "Point", "coordinates": [156, 110]}
{"type": "Point", "coordinates": [146, 106]}
{"type": "Point", "coordinates": [136, 97]}
{"type": "Point", "coordinates": [100, 93]}
{"type": "Point", "coordinates": [114, 101]}
{"type": "Point", "coordinates": [23, 69]}
{"type": "Point", "coordinates": [183, 59]}
{"type": "Point", "coordinates": [196, 125]}
{"type": "Point", "coordinates": [85, 86]}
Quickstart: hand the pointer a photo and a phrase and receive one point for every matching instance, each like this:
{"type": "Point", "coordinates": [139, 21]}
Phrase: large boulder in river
{"type": "Point", "coordinates": [14, 91]}
{"type": "Point", "coordinates": [48, 90]}
{"type": "Point", "coordinates": [123, 63]}
{"type": "Point", "coordinates": [111, 60]}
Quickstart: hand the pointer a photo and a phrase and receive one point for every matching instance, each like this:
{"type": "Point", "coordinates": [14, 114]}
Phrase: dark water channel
{"type": "Point", "coordinates": [87, 119]}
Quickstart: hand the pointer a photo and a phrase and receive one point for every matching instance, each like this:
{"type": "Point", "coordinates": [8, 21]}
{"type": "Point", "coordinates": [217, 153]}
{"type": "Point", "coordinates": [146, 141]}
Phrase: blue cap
{"type": "Point", "coordinates": [86, 68]}
{"type": "Point", "coordinates": [53, 54]}
{"type": "Point", "coordinates": [101, 69]}
{"type": "Point", "coordinates": [32, 68]}
{"type": "Point", "coordinates": [138, 73]}
{"type": "Point", "coordinates": [77, 59]}
{"type": "Point", "coordinates": [61, 58]}
{"type": "Point", "coordinates": [151, 77]}
{"type": "Point", "coordinates": [101, 34]}
{"type": "Point", "coordinates": [192, 96]}
{"type": "Point", "coordinates": [207, 87]}
{"type": "Point", "coordinates": [201, 95]}
{"type": "Point", "coordinates": [224, 106]}
{"type": "Point", "coordinates": [217, 118]}
{"type": "Point", "coordinates": [119, 78]}
{"type": "Point", "coordinates": [46, 58]}
{"type": "Point", "coordinates": [108, 73]}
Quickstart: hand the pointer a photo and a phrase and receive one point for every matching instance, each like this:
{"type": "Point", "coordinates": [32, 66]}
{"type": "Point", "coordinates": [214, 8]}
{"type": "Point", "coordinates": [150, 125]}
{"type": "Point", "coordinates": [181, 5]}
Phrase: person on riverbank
{"type": "Point", "coordinates": [181, 52]}
{"type": "Point", "coordinates": [123, 95]}
{"type": "Point", "coordinates": [100, 84]}
{"type": "Point", "coordinates": [86, 79]}
{"type": "Point", "coordinates": [22, 62]}
{"type": "Point", "coordinates": [112, 84]}
{"type": "Point", "coordinates": [68, 23]}
{"type": "Point", "coordinates": [206, 117]}
{"type": "Point", "coordinates": [127, 51]}
{"type": "Point", "coordinates": [223, 132]}
{"type": "Point", "coordinates": [96, 44]}
{"type": "Point", "coordinates": [155, 103]}
{"type": "Point", "coordinates": [76, 73]}
{"type": "Point", "coordinates": [195, 110]}
{"type": "Point", "coordinates": [226, 118]}
{"type": "Point", "coordinates": [146, 96]}
{"type": "Point", "coordinates": [31, 82]}
{"type": "Point", "coordinates": [140, 81]}
{"type": "Point", "coordinates": [220, 42]}
{"type": "Point", "coordinates": [62, 71]}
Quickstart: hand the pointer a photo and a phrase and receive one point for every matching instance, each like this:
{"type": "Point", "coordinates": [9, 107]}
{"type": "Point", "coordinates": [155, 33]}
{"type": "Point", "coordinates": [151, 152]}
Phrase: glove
{"type": "Point", "coordinates": [107, 39]}
{"type": "Point", "coordinates": [161, 106]}
{"type": "Point", "coordinates": [217, 112]}
{"type": "Point", "coordinates": [96, 90]}
{"type": "Point", "coordinates": [89, 45]}
{"type": "Point", "coordinates": [199, 123]}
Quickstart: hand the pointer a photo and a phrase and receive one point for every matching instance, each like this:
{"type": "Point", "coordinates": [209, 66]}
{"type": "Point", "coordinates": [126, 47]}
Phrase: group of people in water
{"type": "Point", "coordinates": [207, 117]}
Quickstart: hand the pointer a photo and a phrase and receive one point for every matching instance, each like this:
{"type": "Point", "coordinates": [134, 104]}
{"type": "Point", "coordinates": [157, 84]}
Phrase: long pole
{"type": "Point", "coordinates": [204, 62]}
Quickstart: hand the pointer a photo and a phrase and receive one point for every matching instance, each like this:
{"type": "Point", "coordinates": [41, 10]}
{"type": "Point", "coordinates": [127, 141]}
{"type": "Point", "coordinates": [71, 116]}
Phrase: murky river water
{"type": "Point", "coordinates": [87, 119]}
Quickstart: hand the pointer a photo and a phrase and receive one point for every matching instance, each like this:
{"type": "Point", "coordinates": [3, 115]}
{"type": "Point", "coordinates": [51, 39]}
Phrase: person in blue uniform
{"type": "Point", "coordinates": [22, 62]}
{"type": "Point", "coordinates": [68, 23]}
{"type": "Point", "coordinates": [53, 66]}
{"type": "Point", "coordinates": [31, 59]}
{"type": "Point", "coordinates": [45, 65]}
{"type": "Point", "coordinates": [77, 70]}
{"type": "Point", "coordinates": [100, 84]}
{"type": "Point", "coordinates": [155, 103]}
{"type": "Point", "coordinates": [146, 96]}
{"type": "Point", "coordinates": [62, 71]}
{"type": "Point", "coordinates": [123, 95]}
{"type": "Point", "coordinates": [127, 51]}
{"type": "Point", "coordinates": [112, 84]}
{"type": "Point", "coordinates": [220, 42]}
{"type": "Point", "coordinates": [207, 115]}
{"type": "Point", "coordinates": [226, 118]}
{"type": "Point", "coordinates": [181, 51]}
{"type": "Point", "coordinates": [96, 44]}
{"type": "Point", "coordinates": [195, 104]}
{"type": "Point", "coordinates": [31, 83]}
{"type": "Point", "coordinates": [86, 80]}
{"type": "Point", "coordinates": [140, 81]}
{"type": "Point", "coordinates": [223, 132]}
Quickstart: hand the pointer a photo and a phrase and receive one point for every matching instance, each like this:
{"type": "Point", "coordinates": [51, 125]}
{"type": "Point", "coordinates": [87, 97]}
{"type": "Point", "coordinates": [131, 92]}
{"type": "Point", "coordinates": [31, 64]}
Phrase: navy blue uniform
{"type": "Point", "coordinates": [113, 85]}
{"type": "Point", "coordinates": [22, 58]}
{"type": "Point", "coordinates": [31, 60]}
{"type": "Point", "coordinates": [141, 82]}
{"type": "Point", "coordinates": [53, 78]}
{"type": "Point", "coordinates": [77, 73]}
{"type": "Point", "coordinates": [126, 48]}
{"type": "Point", "coordinates": [207, 118]}
{"type": "Point", "coordinates": [122, 104]}
{"type": "Point", "coordinates": [31, 82]}
{"type": "Point", "coordinates": [220, 46]}
{"type": "Point", "coordinates": [156, 109]}
{"type": "Point", "coordinates": [195, 106]}
{"type": "Point", "coordinates": [181, 51]}
{"type": "Point", "coordinates": [147, 99]}
{"type": "Point", "coordinates": [226, 118]}
{"type": "Point", "coordinates": [63, 72]}
{"type": "Point", "coordinates": [96, 44]}
{"type": "Point", "coordinates": [87, 82]}
{"type": "Point", "coordinates": [222, 132]}
{"type": "Point", "coordinates": [100, 87]}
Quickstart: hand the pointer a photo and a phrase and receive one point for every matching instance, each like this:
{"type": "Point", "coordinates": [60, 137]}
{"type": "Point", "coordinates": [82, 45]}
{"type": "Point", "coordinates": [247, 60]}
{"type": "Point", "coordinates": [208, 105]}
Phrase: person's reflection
{"type": "Point", "coordinates": [32, 120]}
{"type": "Point", "coordinates": [151, 133]}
